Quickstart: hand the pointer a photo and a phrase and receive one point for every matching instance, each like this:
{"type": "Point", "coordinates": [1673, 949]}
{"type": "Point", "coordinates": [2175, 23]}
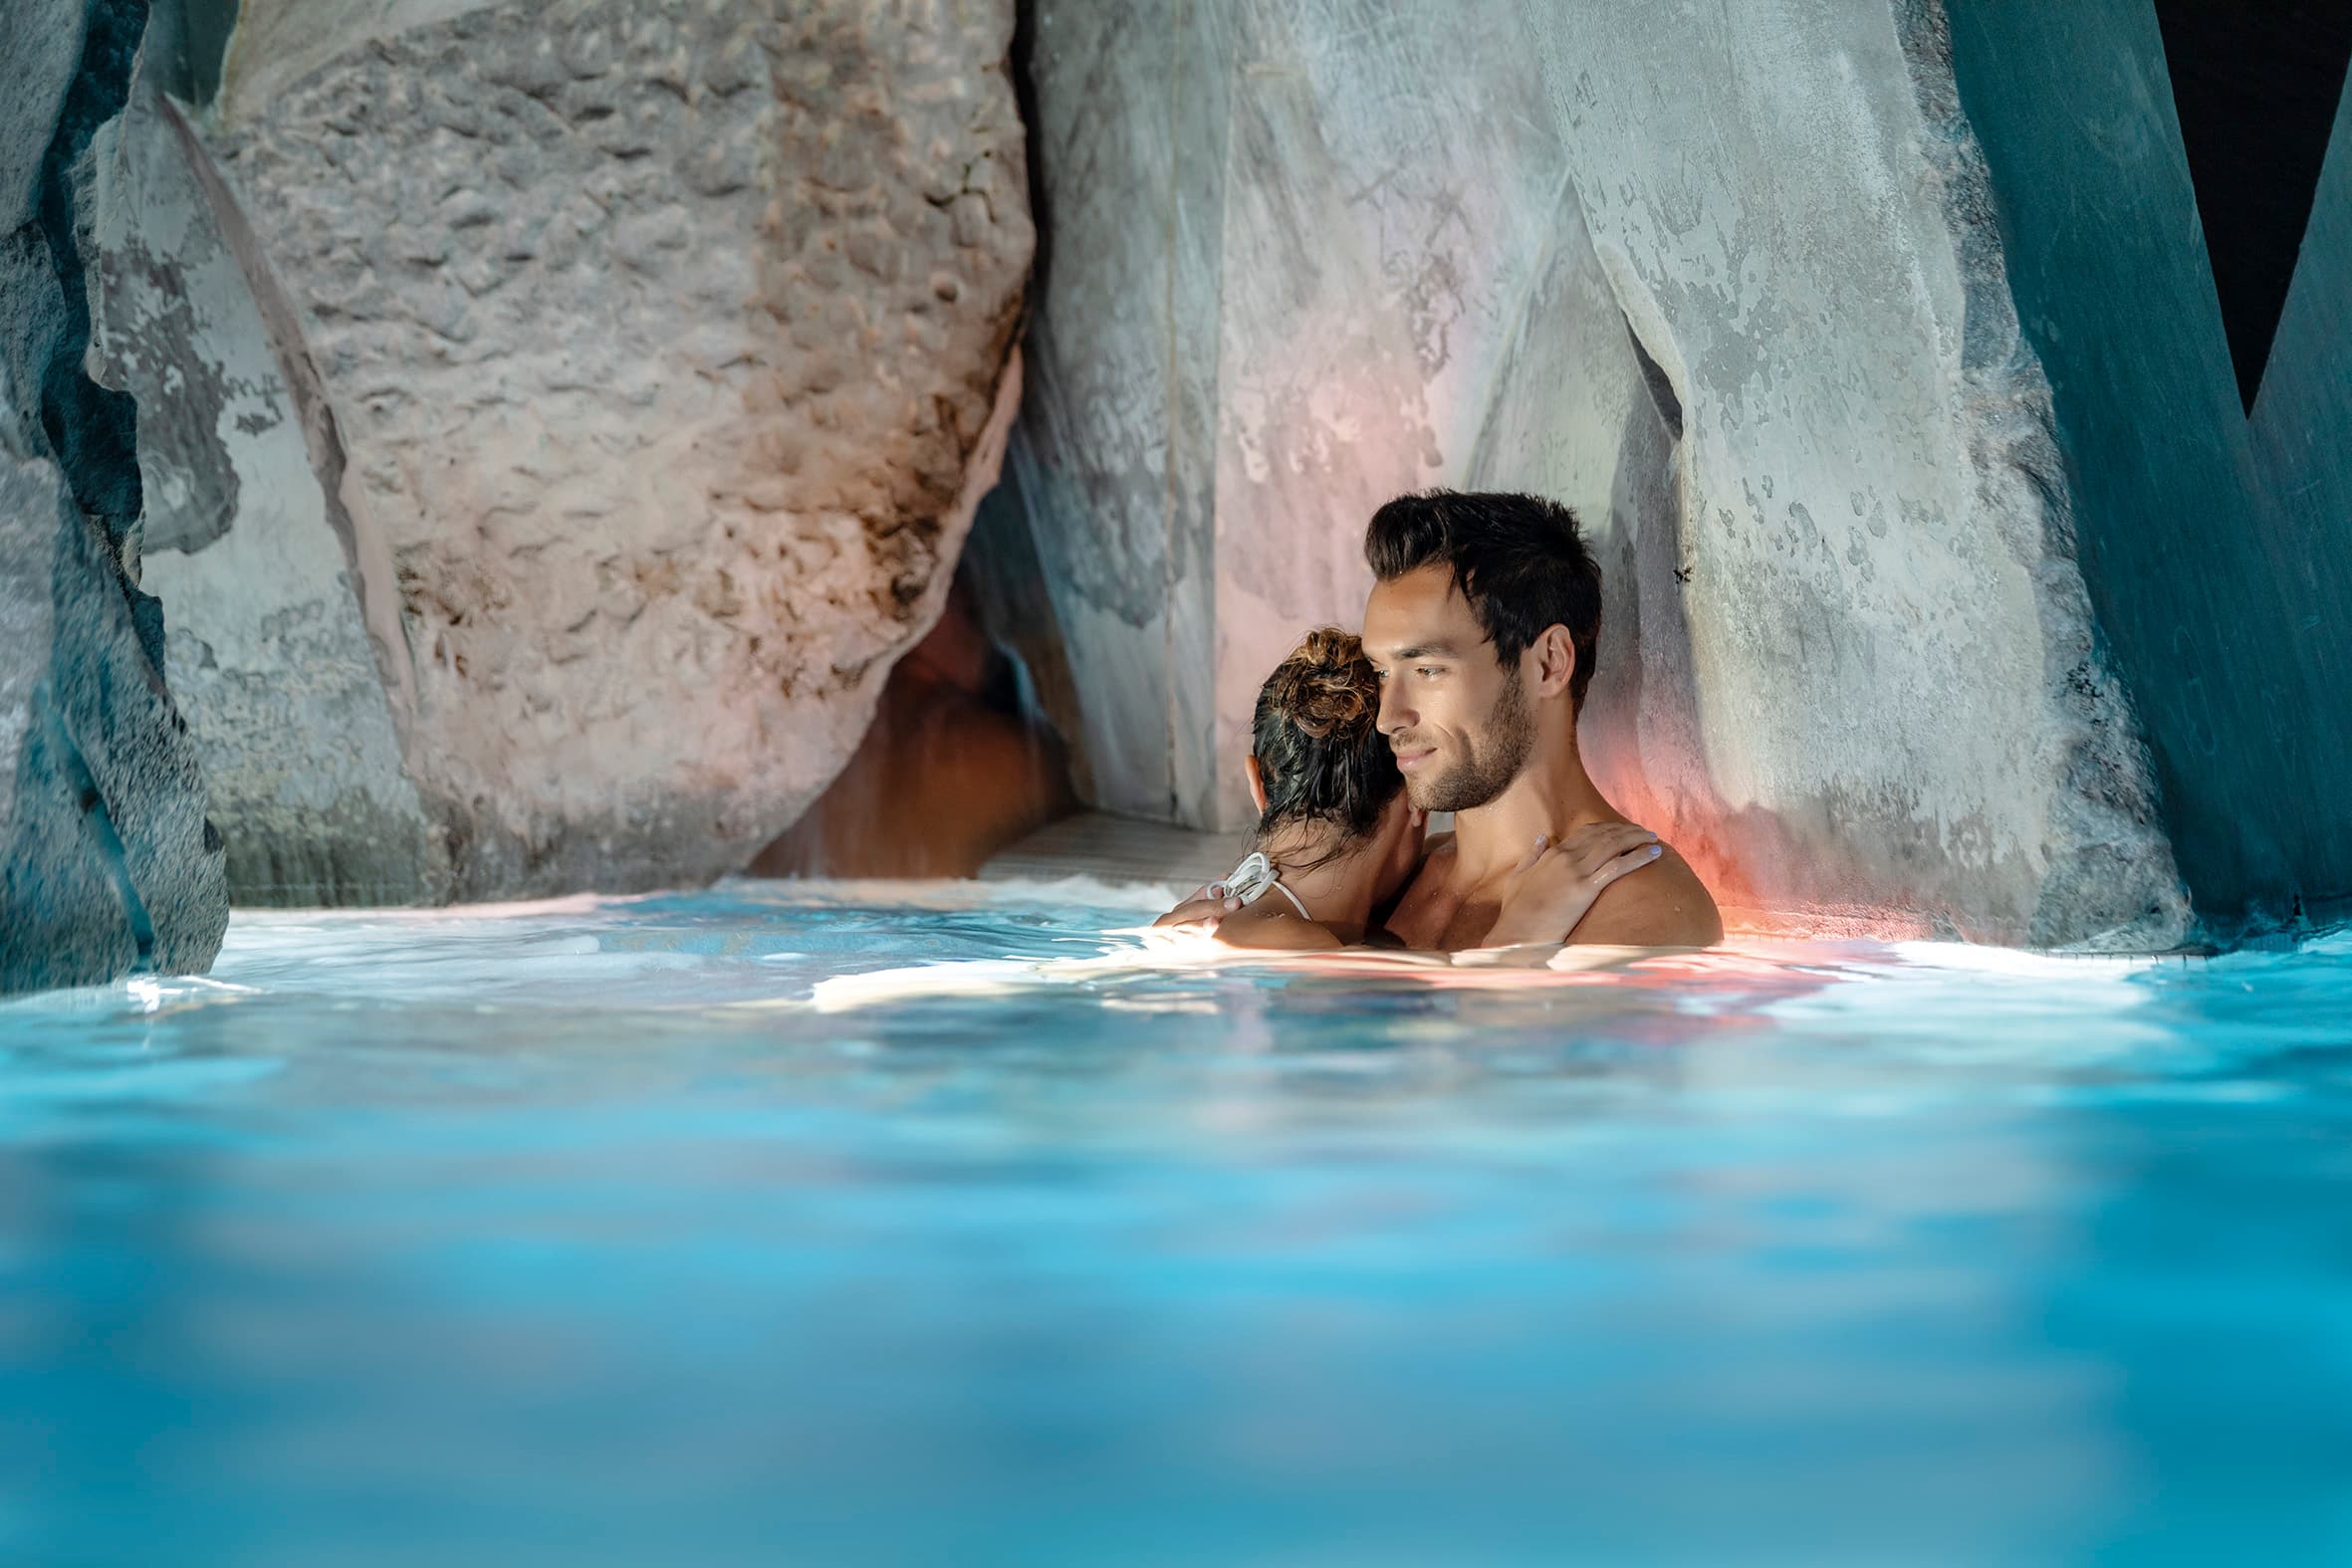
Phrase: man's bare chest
{"type": "Point", "coordinates": [1436, 916]}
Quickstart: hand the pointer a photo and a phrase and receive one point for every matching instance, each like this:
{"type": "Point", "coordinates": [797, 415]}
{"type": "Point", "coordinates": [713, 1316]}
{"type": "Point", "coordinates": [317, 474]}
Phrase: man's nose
{"type": "Point", "coordinates": [1394, 712]}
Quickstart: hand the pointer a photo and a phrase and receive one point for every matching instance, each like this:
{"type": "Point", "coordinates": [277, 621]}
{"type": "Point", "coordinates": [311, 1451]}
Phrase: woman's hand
{"type": "Point", "coordinates": [1558, 883]}
{"type": "Point", "coordinates": [1209, 904]}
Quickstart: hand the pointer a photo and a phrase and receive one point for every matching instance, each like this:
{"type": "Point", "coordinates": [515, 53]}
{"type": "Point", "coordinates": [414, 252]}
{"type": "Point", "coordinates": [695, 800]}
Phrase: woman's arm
{"type": "Point", "coordinates": [1211, 912]}
{"type": "Point", "coordinates": [1278, 930]}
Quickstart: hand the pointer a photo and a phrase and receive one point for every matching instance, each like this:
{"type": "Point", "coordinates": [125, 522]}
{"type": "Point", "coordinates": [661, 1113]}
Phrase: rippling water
{"type": "Point", "coordinates": [734, 1227]}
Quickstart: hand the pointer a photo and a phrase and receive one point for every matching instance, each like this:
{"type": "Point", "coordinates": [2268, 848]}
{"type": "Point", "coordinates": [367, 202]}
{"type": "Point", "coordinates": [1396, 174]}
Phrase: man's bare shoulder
{"type": "Point", "coordinates": [1660, 906]}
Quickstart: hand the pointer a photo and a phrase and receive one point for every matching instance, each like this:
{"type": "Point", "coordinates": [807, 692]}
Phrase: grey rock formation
{"type": "Point", "coordinates": [1115, 453]}
{"type": "Point", "coordinates": [106, 862]}
{"type": "Point", "coordinates": [648, 359]}
{"type": "Point", "coordinates": [285, 623]}
{"type": "Point", "coordinates": [1892, 693]}
{"type": "Point", "coordinates": [2217, 542]}
{"type": "Point", "coordinates": [279, 42]}
{"type": "Point", "coordinates": [1728, 285]}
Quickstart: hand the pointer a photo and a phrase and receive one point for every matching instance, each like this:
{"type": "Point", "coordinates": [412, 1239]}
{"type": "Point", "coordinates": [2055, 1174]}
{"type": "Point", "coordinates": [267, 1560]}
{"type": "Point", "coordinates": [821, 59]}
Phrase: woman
{"type": "Point", "coordinates": [1336, 839]}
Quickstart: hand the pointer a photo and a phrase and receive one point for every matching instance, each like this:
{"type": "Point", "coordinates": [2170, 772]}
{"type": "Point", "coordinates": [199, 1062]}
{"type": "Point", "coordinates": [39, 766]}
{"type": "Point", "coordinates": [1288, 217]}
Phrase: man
{"type": "Point", "coordinates": [1483, 624]}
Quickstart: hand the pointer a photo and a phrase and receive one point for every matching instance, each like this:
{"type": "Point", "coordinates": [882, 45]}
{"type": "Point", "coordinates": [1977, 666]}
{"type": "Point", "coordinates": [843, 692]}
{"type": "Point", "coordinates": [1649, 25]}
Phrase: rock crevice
{"type": "Point", "coordinates": [110, 863]}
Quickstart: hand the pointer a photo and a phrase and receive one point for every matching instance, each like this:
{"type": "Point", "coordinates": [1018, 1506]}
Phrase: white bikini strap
{"type": "Point", "coordinates": [1293, 897]}
{"type": "Point", "coordinates": [1254, 877]}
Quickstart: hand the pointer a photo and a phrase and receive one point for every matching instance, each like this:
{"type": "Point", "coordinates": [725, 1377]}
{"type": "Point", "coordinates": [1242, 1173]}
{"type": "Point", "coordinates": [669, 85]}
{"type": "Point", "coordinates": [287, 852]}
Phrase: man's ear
{"type": "Point", "coordinates": [1555, 660]}
{"type": "Point", "coordinates": [1257, 783]}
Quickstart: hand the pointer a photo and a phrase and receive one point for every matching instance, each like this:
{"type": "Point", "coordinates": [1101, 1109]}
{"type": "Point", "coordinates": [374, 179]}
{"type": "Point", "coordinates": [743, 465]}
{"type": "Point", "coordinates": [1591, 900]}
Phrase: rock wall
{"type": "Point", "coordinates": [1730, 285]}
{"type": "Point", "coordinates": [107, 861]}
{"type": "Point", "coordinates": [647, 361]}
{"type": "Point", "coordinates": [2217, 539]}
{"type": "Point", "coordinates": [1115, 453]}
{"type": "Point", "coordinates": [286, 621]}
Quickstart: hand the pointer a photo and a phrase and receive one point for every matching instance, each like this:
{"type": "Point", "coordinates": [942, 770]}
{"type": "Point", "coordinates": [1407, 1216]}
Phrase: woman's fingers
{"type": "Point", "coordinates": [1201, 907]}
{"type": "Point", "coordinates": [1216, 893]}
{"type": "Point", "coordinates": [1597, 846]}
{"type": "Point", "coordinates": [1592, 854]}
{"type": "Point", "coordinates": [1632, 860]}
{"type": "Point", "coordinates": [1543, 843]}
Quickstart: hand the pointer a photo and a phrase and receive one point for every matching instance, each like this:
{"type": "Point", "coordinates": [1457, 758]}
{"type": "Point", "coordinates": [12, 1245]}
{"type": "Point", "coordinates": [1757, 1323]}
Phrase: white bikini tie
{"type": "Point", "coordinates": [1254, 877]}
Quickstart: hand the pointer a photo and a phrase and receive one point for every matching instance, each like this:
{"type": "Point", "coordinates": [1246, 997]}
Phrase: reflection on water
{"type": "Point", "coordinates": [584, 1233]}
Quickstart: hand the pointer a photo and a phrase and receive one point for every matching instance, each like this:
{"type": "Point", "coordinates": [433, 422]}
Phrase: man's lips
{"type": "Point", "coordinates": [1409, 758]}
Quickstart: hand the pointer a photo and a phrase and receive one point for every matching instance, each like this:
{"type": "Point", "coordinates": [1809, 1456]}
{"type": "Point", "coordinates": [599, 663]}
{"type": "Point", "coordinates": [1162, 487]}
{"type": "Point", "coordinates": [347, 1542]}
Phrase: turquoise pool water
{"type": "Point", "coordinates": [605, 1233]}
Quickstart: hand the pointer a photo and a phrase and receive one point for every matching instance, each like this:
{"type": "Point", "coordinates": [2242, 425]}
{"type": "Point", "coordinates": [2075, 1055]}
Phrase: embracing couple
{"type": "Point", "coordinates": [1461, 696]}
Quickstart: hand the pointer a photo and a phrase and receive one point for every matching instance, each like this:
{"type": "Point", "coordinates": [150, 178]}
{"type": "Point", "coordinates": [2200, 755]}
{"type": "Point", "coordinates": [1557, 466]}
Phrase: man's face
{"type": "Point", "coordinates": [1457, 720]}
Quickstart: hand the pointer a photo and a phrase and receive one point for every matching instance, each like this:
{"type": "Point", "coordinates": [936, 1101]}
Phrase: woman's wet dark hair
{"type": "Point", "coordinates": [1321, 753]}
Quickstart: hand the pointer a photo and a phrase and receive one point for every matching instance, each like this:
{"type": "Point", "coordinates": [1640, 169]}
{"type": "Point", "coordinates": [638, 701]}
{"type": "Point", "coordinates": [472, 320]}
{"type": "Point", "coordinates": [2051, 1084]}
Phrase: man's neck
{"type": "Point", "coordinates": [1552, 795]}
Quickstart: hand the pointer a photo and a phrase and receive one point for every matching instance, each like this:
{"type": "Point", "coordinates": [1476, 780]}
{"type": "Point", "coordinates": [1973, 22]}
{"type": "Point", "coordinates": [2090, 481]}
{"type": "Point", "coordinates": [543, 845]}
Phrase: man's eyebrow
{"type": "Point", "coordinates": [1442, 648]}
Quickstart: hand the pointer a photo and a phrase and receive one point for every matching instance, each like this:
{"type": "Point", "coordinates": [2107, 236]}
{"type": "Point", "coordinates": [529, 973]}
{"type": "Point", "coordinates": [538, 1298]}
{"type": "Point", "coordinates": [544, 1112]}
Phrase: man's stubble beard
{"type": "Point", "coordinates": [1497, 754]}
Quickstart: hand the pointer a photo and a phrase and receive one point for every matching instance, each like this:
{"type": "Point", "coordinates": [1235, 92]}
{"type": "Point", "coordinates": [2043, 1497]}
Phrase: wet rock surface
{"type": "Point", "coordinates": [107, 861]}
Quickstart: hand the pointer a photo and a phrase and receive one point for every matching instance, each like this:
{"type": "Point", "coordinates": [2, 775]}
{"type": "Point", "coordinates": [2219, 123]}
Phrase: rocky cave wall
{"type": "Point", "coordinates": [545, 424]}
{"type": "Point", "coordinates": [1730, 285]}
{"type": "Point", "coordinates": [107, 861]}
{"type": "Point", "coordinates": [565, 416]}
{"type": "Point", "coordinates": [2216, 526]}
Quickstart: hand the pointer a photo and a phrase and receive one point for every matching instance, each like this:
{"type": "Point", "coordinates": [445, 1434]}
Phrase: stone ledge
{"type": "Point", "coordinates": [1117, 849]}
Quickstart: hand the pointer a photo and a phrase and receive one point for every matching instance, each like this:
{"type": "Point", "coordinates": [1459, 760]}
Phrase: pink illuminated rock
{"type": "Point", "coordinates": [668, 348]}
{"type": "Point", "coordinates": [1730, 284]}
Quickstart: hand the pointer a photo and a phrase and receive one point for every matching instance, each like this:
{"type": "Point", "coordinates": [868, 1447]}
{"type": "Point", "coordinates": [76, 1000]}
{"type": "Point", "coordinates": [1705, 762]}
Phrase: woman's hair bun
{"type": "Point", "coordinates": [1316, 736]}
{"type": "Point", "coordinates": [1326, 687]}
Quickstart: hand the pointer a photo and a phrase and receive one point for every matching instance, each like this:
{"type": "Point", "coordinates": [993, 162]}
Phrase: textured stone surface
{"type": "Point", "coordinates": [276, 43]}
{"type": "Point", "coordinates": [266, 571]}
{"type": "Point", "coordinates": [106, 862]}
{"type": "Point", "coordinates": [1895, 698]}
{"type": "Point", "coordinates": [1115, 457]}
{"type": "Point", "coordinates": [666, 349]}
{"type": "Point", "coordinates": [2216, 547]}
{"type": "Point", "coordinates": [1727, 283]}
{"type": "Point", "coordinates": [1380, 229]}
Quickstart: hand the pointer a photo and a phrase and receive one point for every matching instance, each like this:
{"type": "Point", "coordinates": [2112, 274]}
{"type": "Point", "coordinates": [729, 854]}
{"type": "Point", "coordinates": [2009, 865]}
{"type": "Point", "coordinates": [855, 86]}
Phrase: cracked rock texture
{"type": "Point", "coordinates": [2218, 539]}
{"type": "Point", "coordinates": [284, 620]}
{"type": "Point", "coordinates": [107, 861]}
{"type": "Point", "coordinates": [647, 358]}
{"type": "Point", "coordinates": [1729, 284]}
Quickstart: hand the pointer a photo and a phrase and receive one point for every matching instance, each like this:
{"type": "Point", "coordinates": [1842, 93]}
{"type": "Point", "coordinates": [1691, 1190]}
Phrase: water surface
{"type": "Point", "coordinates": [648, 1230]}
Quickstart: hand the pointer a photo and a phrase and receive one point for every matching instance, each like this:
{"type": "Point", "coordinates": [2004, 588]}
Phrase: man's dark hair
{"type": "Point", "coordinates": [1520, 562]}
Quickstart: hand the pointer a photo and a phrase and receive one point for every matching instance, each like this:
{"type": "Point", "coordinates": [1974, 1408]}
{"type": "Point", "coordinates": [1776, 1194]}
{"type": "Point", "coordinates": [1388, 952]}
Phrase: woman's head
{"type": "Point", "coordinates": [1320, 757]}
